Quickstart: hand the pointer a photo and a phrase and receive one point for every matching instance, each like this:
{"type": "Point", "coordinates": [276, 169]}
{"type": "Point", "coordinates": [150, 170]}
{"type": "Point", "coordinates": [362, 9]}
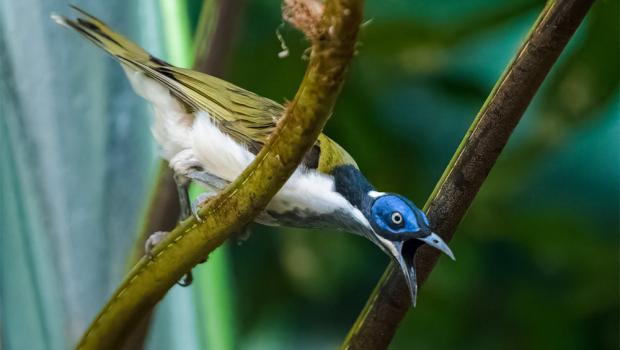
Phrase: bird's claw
{"type": "Point", "coordinates": [152, 241]}
{"type": "Point", "coordinates": [187, 280]}
{"type": "Point", "coordinates": [197, 203]}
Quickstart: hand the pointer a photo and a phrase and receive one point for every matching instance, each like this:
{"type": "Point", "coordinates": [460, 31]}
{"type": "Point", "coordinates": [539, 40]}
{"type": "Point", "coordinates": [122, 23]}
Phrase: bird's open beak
{"type": "Point", "coordinates": [405, 257]}
{"type": "Point", "coordinates": [436, 242]}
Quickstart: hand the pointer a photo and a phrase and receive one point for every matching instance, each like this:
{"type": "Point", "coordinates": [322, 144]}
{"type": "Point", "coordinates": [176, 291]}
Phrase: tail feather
{"type": "Point", "coordinates": [132, 57]}
{"type": "Point", "coordinates": [100, 34]}
{"type": "Point", "coordinates": [246, 117]}
{"type": "Point", "coordinates": [137, 63]}
{"type": "Point", "coordinates": [172, 120]}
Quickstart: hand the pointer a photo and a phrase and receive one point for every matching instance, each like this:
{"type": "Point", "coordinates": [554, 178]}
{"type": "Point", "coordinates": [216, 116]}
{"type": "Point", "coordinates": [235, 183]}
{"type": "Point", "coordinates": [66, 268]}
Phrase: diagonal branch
{"type": "Point", "coordinates": [239, 203]}
{"type": "Point", "coordinates": [472, 162]}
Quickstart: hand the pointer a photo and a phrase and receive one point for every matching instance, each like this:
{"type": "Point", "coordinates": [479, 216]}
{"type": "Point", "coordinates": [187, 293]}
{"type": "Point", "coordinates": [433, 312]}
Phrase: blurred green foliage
{"type": "Point", "coordinates": [537, 253]}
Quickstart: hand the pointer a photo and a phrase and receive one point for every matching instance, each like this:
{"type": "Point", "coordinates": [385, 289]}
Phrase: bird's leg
{"type": "Point", "coordinates": [218, 183]}
{"type": "Point", "coordinates": [187, 168]}
{"type": "Point", "coordinates": [182, 163]}
{"type": "Point", "coordinates": [182, 183]}
{"type": "Point", "coordinates": [185, 206]}
{"type": "Point", "coordinates": [210, 180]}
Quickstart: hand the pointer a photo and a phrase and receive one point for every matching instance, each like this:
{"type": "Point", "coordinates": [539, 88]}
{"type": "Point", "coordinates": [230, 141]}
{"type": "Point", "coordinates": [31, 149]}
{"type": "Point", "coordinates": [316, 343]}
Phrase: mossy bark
{"type": "Point", "coordinates": [190, 242]}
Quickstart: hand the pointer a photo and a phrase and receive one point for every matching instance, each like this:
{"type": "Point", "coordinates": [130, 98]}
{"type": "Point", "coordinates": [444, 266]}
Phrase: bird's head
{"type": "Point", "coordinates": [400, 228]}
{"type": "Point", "coordinates": [389, 220]}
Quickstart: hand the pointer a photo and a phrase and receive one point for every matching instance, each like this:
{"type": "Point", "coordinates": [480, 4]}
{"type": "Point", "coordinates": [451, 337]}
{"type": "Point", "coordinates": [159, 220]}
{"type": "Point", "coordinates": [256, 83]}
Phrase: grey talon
{"type": "Point", "coordinates": [152, 241]}
{"type": "Point", "coordinates": [200, 199]}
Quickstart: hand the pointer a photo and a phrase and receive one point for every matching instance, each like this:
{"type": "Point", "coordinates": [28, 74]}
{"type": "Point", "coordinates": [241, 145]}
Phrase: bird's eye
{"type": "Point", "coordinates": [397, 218]}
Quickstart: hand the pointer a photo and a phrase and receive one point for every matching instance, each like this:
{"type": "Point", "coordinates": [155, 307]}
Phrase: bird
{"type": "Point", "coordinates": [210, 130]}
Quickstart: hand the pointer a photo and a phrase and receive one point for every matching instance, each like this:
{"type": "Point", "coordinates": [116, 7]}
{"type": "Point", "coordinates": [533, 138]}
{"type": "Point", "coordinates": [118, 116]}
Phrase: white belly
{"type": "Point", "coordinates": [307, 199]}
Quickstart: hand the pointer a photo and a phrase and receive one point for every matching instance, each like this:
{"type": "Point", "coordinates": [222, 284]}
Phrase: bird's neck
{"type": "Point", "coordinates": [353, 186]}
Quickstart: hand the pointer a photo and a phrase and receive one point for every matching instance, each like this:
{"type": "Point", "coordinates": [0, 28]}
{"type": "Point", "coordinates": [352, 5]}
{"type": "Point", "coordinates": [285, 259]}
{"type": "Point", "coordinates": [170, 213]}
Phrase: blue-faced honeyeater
{"type": "Point", "coordinates": [210, 130]}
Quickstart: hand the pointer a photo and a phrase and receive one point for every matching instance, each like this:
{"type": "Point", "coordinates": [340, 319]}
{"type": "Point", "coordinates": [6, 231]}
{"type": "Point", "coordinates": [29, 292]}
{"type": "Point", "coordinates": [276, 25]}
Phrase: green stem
{"type": "Point", "coordinates": [162, 210]}
{"type": "Point", "coordinates": [178, 32]}
{"type": "Point", "coordinates": [212, 285]}
{"type": "Point", "coordinates": [191, 242]}
{"type": "Point", "coordinates": [470, 165]}
{"type": "Point", "coordinates": [214, 300]}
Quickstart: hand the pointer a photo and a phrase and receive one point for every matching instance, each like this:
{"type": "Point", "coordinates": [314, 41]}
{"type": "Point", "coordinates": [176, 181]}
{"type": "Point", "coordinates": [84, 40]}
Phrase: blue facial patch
{"type": "Point", "coordinates": [394, 215]}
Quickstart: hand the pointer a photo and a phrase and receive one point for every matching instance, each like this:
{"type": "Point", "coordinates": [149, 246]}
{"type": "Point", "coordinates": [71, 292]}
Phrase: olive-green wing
{"type": "Point", "coordinates": [244, 115]}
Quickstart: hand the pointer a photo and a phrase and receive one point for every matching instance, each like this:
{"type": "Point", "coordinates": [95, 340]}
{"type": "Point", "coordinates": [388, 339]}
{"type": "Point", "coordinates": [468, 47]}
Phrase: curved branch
{"type": "Point", "coordinates": [239, 203]}
{"type": "Point", "coordinates": [472, 162]}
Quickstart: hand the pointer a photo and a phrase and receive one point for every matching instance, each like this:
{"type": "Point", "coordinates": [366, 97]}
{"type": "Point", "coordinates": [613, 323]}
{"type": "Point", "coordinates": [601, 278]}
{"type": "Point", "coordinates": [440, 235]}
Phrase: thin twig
{"type": "Point", "coordinates": [240, 202]}
{"type": "Point", "coordinates": [472, 162]}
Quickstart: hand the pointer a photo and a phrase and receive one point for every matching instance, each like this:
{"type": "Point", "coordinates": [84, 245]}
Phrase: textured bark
{"type": "Point", "coordinates": [190, 242]}
{"type": "Point", "coordinates": [469, 167]}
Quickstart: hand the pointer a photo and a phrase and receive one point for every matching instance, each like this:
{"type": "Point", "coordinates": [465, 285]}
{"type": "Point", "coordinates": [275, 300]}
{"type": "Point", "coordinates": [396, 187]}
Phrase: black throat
{"type": "Point", "coordinates": [352, 185]}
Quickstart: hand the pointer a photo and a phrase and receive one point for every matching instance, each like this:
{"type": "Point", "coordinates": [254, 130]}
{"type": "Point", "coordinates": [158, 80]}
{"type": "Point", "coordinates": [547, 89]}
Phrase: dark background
{"type": "Point", "coordinates": [537, 254]}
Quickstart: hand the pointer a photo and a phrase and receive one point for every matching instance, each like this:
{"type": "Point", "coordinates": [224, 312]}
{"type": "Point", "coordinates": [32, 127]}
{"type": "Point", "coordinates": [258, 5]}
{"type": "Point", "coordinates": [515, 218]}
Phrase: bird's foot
{"type": "Point", "coordinates": [199, 201]}
{"type": "Point", "coordinates": [187, 280]}
{"type": "Point", "coordinates": [152, 241]}
{"type": "Point", "coordinates": [182, 164]}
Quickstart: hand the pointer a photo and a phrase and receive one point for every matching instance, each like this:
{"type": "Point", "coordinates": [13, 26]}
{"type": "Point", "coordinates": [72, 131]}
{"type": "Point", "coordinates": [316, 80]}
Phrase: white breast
{"type": "Point", "coordinates": [306, 191]}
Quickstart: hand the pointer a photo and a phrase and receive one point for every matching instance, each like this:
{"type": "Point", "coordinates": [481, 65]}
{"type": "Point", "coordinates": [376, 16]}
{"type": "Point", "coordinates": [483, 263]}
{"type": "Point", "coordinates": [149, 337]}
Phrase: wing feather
{"type": "Point", "coordinates": [243, 115]}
